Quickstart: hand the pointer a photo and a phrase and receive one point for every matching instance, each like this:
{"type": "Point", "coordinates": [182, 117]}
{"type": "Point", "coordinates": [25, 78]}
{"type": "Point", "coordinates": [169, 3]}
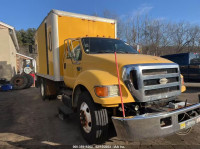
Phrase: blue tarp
{"type": "Point", "coordinates": [6, 87]}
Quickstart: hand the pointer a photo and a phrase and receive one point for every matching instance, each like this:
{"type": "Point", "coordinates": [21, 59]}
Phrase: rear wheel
{"type": "Point", "coordinates": [93, 119]}
{"type": "Point", "coordinates": [43, 89]}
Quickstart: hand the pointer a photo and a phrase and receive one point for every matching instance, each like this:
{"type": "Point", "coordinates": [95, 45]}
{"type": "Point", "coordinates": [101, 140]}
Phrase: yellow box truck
{"type": "Point", "coordinates": [76, 62]}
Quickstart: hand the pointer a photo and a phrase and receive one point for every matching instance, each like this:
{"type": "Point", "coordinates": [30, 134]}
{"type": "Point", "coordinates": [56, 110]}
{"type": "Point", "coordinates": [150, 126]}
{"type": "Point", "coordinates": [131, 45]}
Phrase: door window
{"type": "Point", "coordinates": [75, 50]}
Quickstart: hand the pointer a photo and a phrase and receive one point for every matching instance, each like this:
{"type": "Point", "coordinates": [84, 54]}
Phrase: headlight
{"type": "Point", "coordinates": [107, 91]}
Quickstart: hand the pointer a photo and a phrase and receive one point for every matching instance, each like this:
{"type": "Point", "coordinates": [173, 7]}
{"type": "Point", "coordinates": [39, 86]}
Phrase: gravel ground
{"type": "Point", "coordinates": [28, 122]}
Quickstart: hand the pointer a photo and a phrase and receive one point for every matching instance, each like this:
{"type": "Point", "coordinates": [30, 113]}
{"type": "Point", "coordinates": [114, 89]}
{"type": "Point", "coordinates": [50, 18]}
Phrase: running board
{"type": "Point", "coordinates": [67, 100]}
{"type": "Point", "coordinates": [64, 112]}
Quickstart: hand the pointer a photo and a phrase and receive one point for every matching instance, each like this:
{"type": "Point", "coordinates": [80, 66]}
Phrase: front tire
{"type": "Point", "coordinates": [93, 119]}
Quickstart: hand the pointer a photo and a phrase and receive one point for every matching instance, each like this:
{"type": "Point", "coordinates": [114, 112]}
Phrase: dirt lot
{"type": "Point", "coordinates": [28, 122]}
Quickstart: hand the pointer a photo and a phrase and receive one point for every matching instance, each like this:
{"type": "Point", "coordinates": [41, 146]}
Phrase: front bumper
{"type": "Point", "coordinates": [148, 125]}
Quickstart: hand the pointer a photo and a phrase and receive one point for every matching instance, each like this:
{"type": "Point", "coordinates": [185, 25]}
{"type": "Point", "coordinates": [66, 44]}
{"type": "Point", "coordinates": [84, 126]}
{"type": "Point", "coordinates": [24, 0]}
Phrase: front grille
{"type": "Point", "coordinates": [159, 71]}
{"type": "Point", "coordinates": [134, 79]}
{"type": "Point", "coordinates": [148, 82]}
{"type": "Point", "coordinates": [161, 90]}
{"type": "Point", "coordinates": [156, 81]}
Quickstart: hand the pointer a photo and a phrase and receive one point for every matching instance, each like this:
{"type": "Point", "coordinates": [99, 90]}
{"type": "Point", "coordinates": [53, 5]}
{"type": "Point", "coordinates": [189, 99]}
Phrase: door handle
{"type": "Point", "coordinates": [78, 68]}
{"type": "Point", "coordinates": [64, 65]}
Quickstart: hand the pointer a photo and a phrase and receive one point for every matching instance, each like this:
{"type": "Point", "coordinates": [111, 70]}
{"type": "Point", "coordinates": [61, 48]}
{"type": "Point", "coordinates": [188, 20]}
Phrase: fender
{"type": "Point", "coordinates": [91, 78]}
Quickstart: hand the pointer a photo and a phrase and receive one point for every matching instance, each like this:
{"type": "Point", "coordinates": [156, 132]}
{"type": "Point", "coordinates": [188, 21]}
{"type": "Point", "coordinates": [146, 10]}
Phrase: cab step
{"type": "Point", "coordinates": [64, 112]}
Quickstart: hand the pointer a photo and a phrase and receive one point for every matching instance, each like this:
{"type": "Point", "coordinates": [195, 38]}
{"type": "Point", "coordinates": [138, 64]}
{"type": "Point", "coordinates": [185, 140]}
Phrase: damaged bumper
{"type": "Point", "coordinates": [151, 125]}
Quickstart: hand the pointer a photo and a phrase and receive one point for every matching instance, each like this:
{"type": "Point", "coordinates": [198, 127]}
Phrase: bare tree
{"type": "Point", "coordinates": [157, 37]}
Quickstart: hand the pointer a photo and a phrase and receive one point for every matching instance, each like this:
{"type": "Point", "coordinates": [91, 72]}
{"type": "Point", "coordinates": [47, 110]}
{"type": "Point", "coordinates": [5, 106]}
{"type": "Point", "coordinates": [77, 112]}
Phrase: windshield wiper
{"type": "Point", "coordinates": [122, 52]}
{"type": "Point", "coordinates": [104, 52]}
{"type": "Point", "coordinates": [125, 52]}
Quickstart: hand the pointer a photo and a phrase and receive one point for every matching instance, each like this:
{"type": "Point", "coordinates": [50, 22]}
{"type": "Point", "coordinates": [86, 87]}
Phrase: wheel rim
{"type": "Point", "coordinates": [85, 117]}
{"type": "Point", "coordinates": [42, 89]}
{"type": "Point", "coordinates": [18, 81]}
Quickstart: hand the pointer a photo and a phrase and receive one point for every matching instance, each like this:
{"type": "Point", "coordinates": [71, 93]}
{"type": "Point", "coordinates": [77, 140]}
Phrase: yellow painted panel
{"type": "Point", "coordinates": [70, 27]}
{"type": "Point", "coordinates": [100, 77]}
{"type": "Point", "coordinates": [41, 59]}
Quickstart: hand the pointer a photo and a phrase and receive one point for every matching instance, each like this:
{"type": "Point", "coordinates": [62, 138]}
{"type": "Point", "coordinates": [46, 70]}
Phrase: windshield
{"type": "Point", "coordinates": [106, 45]}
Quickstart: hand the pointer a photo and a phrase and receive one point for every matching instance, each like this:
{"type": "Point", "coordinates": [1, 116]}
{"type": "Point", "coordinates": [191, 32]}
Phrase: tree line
{"type": "Point", "coordinates": [157, 36]}
{"type": "Point", "coordinates": [25, 38]}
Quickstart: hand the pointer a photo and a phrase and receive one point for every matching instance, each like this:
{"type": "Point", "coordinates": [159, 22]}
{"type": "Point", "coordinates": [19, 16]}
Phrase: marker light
{"type": "Point", "coordinates": [107, 91]}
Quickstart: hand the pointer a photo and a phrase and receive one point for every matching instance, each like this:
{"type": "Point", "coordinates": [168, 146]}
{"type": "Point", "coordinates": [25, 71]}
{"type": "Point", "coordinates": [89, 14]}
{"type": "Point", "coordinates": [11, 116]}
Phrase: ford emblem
{"type": "Point", "coordinates": [163, 81]}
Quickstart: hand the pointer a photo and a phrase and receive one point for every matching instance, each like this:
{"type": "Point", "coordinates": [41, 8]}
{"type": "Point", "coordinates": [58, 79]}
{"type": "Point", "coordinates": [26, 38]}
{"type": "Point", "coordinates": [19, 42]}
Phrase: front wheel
{"type": "Point", "coordinates": [93, 119]}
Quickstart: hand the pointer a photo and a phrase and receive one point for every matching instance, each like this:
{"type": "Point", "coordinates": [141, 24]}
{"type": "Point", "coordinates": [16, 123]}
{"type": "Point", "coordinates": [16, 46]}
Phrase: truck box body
{"type": "Point", "coordinates": [58, 26]}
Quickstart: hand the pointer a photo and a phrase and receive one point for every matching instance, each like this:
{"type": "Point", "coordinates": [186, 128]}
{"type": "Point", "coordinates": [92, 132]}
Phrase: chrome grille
{"type": "Point", "coordinates": [148, 82]}
{"type": "Point", "coordinates": [161, 90]}
{"type": "Point", "coordinates": [158, 71]}
{"type": "Point", "coordinates": [156, 81]}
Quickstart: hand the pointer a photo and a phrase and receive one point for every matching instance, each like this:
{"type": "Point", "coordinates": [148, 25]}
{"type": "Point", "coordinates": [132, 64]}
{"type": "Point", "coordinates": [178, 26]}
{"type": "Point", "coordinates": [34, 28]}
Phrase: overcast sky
{"type": "Point", "coordinates": [23, 14]}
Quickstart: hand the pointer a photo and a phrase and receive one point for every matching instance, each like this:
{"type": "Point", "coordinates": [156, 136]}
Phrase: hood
{"type": "Point", "coordinates": [127, 59]}
{"type": "Point", "coordinates": [106, 62]}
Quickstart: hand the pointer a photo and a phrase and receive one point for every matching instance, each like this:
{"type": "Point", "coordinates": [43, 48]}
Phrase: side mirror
{"type": "Point", "coordinates": [30, 49]}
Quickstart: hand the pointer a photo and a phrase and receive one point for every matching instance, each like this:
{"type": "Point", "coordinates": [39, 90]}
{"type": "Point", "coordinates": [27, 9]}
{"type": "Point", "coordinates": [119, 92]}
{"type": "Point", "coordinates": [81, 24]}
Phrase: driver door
{"type": "Point", "coordinates": [72, 62]}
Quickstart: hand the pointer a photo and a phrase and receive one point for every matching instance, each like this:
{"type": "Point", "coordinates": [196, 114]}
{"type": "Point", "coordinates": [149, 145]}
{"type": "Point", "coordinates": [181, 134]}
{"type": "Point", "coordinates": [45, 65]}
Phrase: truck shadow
{"type": "Point", "coordinates": [29, 122]}
{"type": "Point", "coordinates": [24, 115]}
